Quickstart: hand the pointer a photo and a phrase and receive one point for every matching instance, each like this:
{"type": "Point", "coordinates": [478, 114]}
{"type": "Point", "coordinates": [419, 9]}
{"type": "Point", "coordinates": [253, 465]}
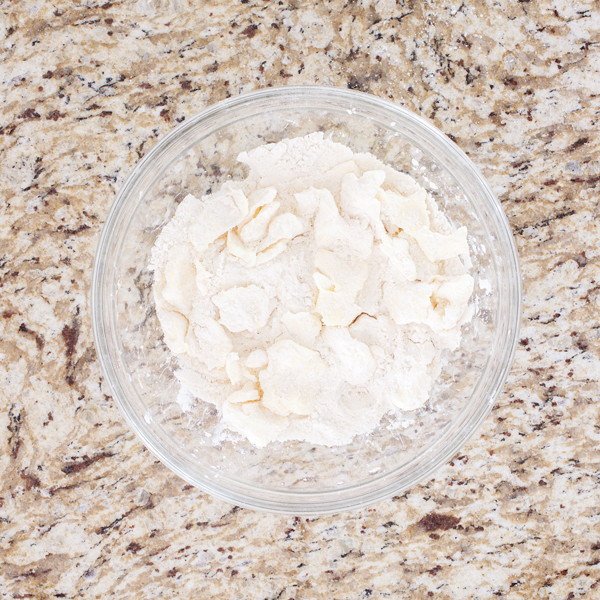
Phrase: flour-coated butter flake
{"type": "Point", "coordinates": [304, 327]}
{"type": "Point", "coordinates": [204, 386]}
{"type": "Point", "coordinates": [337, 309]}
{"type": "Point", "coordinates": [203, 276]}
{"type": "Point", "coordinates": [358, 196]}
{"type": "Point", "coordinates": [248, 393]}
{"type": "Point", "coordinates": [207, 340]}
{"type": "Point", "coordinates": [259, 198]}
{"type": "Point", "coordinates": [335, 175]}
{"type": "Point", "coordinates": [232, 368]}
{"type": "Point", "coordinates": [175, 328]}
{"type": "Point", "coordinates": [437, 246]}
{"type": "Point", "coordinates": [237, 248]}
{"type": "Point", "coordinates": [286, 226]}
{"type": "Point", "coordinates": [254, 421]}
{"type": "Point", "coordinates": [347, 273]}
{"type": "Point", "coordinates": [290, 380]}
{"type": "Point", "coordinates": [330, 229]}
{"type": "Point", "coordinates": [353, 359]}
{"type": "Point", "coordinates": [450, 299]}
{"type": "Point", "coordinates": [180, 279]}
{"type": "Point", "coordinates": [412, 387]}
{"type": "Point", "coordinates": [218, 214]}
{"type": "Point", "coordinates": [244, 308]}
{"type": "Point", "coordinates": [323, 282]}
{"type": "Point", "coordinates": [397, 252]}
{"type": "Point", "coordinates": [256, 228]}
{"type": "Point", "coordinates": [405, 212]}
{"type": "Point", "coordinates": [256, 359]}
{"type": "Point", "coordinates": [307, 202]}
{"type": "Point", "coordinates": [408, 302]}
{"type": "Point", "coordinates": [271, 252]}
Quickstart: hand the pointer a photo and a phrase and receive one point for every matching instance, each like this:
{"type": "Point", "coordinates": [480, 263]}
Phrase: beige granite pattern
{"type": "Point", "coordinates": [86, 88]}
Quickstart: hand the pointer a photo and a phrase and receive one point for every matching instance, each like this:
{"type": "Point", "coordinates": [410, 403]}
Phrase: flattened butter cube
{"type": "Point", "coordinates": [257, 423]}
{"type": "Point", "coordinates": [217, 215]}
{"type": "Point", "coordinates": [413, 388]}
{"type": "Point", "coordinates": [257, 227]}
{"type": "Point", "coordinates": [180, 279]}
{"type": "Point", "coordinates": [408, 302]}
{"type": "Point", "coordinates": [243, 308]}
{"type": "Point", "coordinates": [449, 301]}
{"type": "Point", "coordinates": [437, 246]}
{"type": "Point", "coordinates": [358, 195]}
{"type": "Point", "coordinates": [405, 212]}
{"type": "Point", "coordinates": [336, 308]}
{"type": "Point", "coordinates": [208, 341]}
{"type": "Point", "coordinates": [290, 380]}
{"type": "Point", "coordinates": [303, 326]}
{"type": "Point", "coordinates": [353, 359]}
{"type": "Point", "coordinates": [345, 272]}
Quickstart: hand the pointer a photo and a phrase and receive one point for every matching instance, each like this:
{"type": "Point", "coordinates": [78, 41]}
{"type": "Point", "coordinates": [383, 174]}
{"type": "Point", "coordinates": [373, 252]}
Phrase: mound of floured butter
{"type": "Point", "coordinates": [314, 296]}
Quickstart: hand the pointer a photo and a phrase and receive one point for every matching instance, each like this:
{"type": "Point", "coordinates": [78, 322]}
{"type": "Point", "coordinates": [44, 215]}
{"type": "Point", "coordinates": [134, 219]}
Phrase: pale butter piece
{"type": "Point", "coordinates": [232, 368]}
{"type": "Point", "coordinates": [256, 228]}
{"type": "Point", "coordinates": [330, 229]}
{"type": "Point", "coordinates": [308, 202]}
{"type": "Point", "coordinates": [237, 248]}
{"type": "Point", "coordinates": [358, 196]}
{"type": "Point", "coordinates": [218, 214]}
{"type": "Point", "coordinates": [180, 279]}
{"type": "Point", "coordinates": [258, 198]}
{"type": "Point", "coordinates": [408, 302]}
{"type": "Point", "coordinates": [437, 246]}
{"type": "Point", "coordinates": [405, 212]}
{"type": "Point", "coordinates": [243, 308]}
{"type": "Point", "coordinates": [323, 282]}
{"type": "Point", "coordinates": [175, 327]}
{"type": "Point", "coordinates": [303, 326]}
{"type": "Point", "coordinates": [347, 273]}
{"type": "Point", "coordinates": [413, 388]}
{"type": "Point", "coordinates": [338, 284]}
{"type": "Point", "coordinates": [337, 173]}
{"type": "Point", "coordinates": [205, 387]}
{"type": "Point", "coordinates": [449, 301]}
{"type": "Point", "coordinates": [207, 340]}
{"type": "Point", "coordinates": [248, 374]}
{"type": "Point", "coordinates": [248, 393]}
{"type": "Point", "coordinates": [283, 227]}
{"type": "Point", "coordinates": [397, 251]}
{"type": "Point", "coordinates": [337, 309]}
{"type": "Point", "coordinates": [202, 277]}
{"type": "Point", "coordinates": [256, 359]}
{"type": "Point", "coordinates": [353, 359]}
{"type": "Point", "coordinates": [271, 252]}
{"type": "Point", "coordinates": [258, 424]}
{"type": "Point", "coordinates": [333, 232]}
{"type": "Point", "coordinates": [290, 382]}
{"type": "Point", "coordinates": [370, 330]}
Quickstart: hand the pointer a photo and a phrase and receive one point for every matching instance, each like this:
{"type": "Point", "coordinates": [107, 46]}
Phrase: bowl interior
{"type": "Point", "coordinates": [295, 477]}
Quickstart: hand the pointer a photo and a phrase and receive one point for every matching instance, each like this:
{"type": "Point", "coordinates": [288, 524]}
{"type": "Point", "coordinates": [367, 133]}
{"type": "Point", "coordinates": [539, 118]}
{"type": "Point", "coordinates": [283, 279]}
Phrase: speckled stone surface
{"type": "Point", "coordinates": [86, 88]}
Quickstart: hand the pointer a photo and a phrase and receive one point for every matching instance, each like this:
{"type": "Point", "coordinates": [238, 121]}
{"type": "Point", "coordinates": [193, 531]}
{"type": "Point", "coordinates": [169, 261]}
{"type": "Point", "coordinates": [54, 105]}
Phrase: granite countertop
{"type": "Point", "coordinates": [87, 88]}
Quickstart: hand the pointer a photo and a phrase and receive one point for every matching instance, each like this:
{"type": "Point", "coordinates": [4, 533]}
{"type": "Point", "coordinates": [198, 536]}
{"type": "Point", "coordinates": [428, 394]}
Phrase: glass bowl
{"type": "Point", "coordinates": [299, 478]}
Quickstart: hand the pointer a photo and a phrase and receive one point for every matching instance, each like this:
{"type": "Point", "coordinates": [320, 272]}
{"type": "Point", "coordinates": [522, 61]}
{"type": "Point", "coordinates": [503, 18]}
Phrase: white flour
{"type": "Point", "coordinates": [313, 297]}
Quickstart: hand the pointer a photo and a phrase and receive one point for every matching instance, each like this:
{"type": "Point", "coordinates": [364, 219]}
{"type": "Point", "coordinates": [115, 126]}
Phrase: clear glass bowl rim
{"type": "Point", "coordinates": [421, 133]}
